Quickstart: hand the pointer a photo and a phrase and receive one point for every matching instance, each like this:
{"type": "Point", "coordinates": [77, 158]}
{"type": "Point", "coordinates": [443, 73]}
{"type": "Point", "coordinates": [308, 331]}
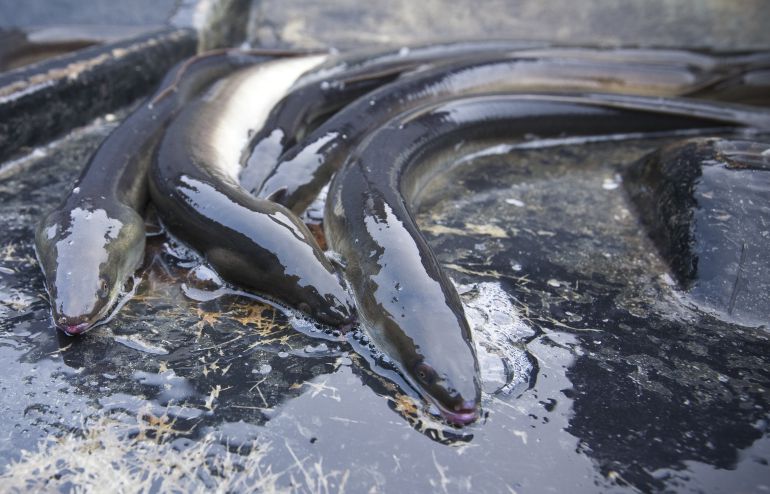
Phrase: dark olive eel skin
{"type": "Point", "coordinates": [750, 87]}
{"type": "Point", "coordinates": [306, 167]}
{"type": "Point", "coordinates": [703, 60]}
{"type": "Point", "coordinates": [252, 243]}
{"type": "Point", "coordinates": [91, 244]}
{"type": "Point", "coordinates": [340, 80]}
{"type": "Point", "coordinates": [17, 50]}
{"type": "Point", "coordinates": [404, 298]}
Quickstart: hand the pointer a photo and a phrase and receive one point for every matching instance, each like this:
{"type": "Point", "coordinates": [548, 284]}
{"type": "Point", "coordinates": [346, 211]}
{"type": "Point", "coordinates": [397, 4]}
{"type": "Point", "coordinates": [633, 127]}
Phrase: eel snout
{"type": "Point", "coordinates": [73, 328]}
{"type": "Point", "coordinates": [463, 413]}
{"type": "Point", "coordinates": [87, 256]}
{"type": "Point", "coordinates": [455, 391]}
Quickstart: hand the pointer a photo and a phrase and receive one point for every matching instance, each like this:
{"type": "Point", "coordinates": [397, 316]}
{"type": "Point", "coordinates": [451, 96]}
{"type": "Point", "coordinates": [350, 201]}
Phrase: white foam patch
{"type": "Point", "coordinates": [500, 335]}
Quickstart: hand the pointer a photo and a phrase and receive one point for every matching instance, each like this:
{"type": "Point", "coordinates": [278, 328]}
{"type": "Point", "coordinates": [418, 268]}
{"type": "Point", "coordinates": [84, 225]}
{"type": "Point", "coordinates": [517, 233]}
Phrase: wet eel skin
{"type": "Point", "coordinates": [405, 301]}
{"type": "Point", "coordinates": [341, 79]}
{"type": "Point", "coordinates": [250, 242]}
{"type": "Point", "coordinates": [92, 243]}
{"type": "Point", "coordinates": [306, 167]}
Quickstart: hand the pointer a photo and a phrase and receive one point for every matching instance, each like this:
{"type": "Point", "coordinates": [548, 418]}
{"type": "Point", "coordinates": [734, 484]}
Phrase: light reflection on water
{"type": "Point", "coordinates": [592, 369]}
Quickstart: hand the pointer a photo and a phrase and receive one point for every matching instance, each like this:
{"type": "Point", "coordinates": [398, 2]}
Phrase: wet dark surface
{"type": "Point", "coordinates": [40, 102]}
{"type": "Point", "coordinates": [709, 217]}
{"type": "Point", "coordinates": [659, 385]}
{"type": "Point", "coordinates": [598, 373]}
{"type": "Point", "coordinates": [593, 365]}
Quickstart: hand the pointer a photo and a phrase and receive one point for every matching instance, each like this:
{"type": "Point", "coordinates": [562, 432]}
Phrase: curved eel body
{"type": "Point", "coordinates": [305, 168]}
{"type": "Point", "coordinates": [751, 86]}
{"type": "Point", "coordinates": [17, 49]}
{"type": "Point", "coordinates": [91, 244]}
{"type": "Point", "coordinates": [340, 80]}
{"type": "Point", "coordinates": [250, 242]}
{"type": "Point", "coordinates": [404, 299]}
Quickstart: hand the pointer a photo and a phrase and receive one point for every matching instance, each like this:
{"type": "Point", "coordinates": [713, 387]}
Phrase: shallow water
{"type": "Point", "coordinates": [597, 374]}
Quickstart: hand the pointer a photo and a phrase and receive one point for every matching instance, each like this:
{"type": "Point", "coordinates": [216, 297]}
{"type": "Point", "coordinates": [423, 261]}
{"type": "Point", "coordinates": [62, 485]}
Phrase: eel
{"type": "Point", "coordinates": [329, 87]}
{"type": "Point", "coordinates": [17, 50]}
{"type": "Point", "coordinates": [91, 244]}
{"type": "Point", "coordinates": [306, 167]}
{"type": "Point", "coordinates": [683, 58]}
{"type": "Point", "coordinates": [338, 81]}
{"type": "Point", "coordinates": [738, 77]}
{"type": "Point", "coordinates": [751, 87]}
{"type": "Point", "coordinates": [249, 242]}
{"type": "Point", "coordinates": [405, 300]}
{"type": "Point", "coordinates": [722, 63]}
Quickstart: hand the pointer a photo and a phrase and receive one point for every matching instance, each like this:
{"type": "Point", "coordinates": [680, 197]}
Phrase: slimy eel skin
{"type": "Point", "coordinates": [92, 243]}
{"type": "Point", "coordinates": [341, 79]}
{"type": "Point", "coordinates": [306, 167]}
{"type": "Point", "coordinates": [404, 299]}
{"type": "Point", "coordinates": [250, 242]}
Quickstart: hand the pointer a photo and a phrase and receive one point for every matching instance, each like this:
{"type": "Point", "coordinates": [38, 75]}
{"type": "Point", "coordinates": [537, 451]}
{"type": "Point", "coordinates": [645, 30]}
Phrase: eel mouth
{"type": "Point", "coordinates": [75, 325]}
{"type": "Point", "coordinates": [461, 415]}
{"type": "Point", "coordinates": [75, 329]}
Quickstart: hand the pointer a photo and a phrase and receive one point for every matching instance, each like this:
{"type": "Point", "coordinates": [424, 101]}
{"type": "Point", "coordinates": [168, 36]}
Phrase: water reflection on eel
{"type": "Point", "coordinates": [253, 243]}
{"type": "Point", "coordinates": [339, 80]}
{"type": "Point", "coordinates": [404, 298]}
{"type": "Point", "coordinates": [306, 167]}
{"type": "Point", "coordinates": [90, 245]}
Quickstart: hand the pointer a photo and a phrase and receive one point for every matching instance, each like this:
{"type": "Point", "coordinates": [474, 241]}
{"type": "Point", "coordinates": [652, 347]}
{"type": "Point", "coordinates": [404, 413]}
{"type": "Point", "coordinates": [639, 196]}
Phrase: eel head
{"type": "Point", "coordinates": [457, 406]}
{"type": "Point", "coordinates": [88, 253]}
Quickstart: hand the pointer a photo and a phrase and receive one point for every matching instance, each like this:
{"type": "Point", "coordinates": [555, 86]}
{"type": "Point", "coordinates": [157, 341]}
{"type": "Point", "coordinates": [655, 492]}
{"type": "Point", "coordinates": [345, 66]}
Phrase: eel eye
{"type": "Point", "coordinates": [425, 373]}
{"type": "Point", "coordinates": [104, 286]}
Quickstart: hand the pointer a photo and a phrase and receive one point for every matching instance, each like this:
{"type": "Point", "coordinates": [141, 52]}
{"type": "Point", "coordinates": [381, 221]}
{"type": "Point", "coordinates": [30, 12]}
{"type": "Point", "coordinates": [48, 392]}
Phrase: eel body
{"type": "Point", "coordinates": [90, 245]}
{"type": "Point", "coordinates": [338, 81]}
{"type": "Point", "coordinates": [250, 242]}
{"type": "Point", "coordinates": [404, 299]}
{"type": "Point", "coordinates": [17, 49]}
{"type": "Point", "coordinates": [306, 167]}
